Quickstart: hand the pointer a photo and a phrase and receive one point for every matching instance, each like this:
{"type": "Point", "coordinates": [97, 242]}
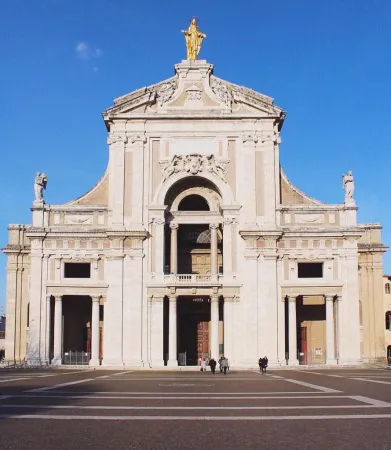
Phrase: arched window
{"type": "Point", "coordinates": [387, 288]}
{"type": "Point", "coordinates": [193, 202]}
{"type": "Point", "coordinates": [388, 320]}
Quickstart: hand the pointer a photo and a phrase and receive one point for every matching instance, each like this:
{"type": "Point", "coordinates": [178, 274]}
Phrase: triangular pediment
{"type": "Point", "coordinates": [194, 89]}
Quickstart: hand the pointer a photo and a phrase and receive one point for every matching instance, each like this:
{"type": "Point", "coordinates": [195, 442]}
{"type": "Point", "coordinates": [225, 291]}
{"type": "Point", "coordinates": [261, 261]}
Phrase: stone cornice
{"type": "Point", "coordinates": [372, 248]}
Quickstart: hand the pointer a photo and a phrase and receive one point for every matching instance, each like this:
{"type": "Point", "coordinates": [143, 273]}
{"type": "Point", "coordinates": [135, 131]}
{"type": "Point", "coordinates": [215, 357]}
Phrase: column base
{"type": "Point", "coordinates": [157, 363]}
{"type": "Point", "coordinates": [137, 363]}
{"type": "Point", "coordinates": [94, 363]}
{"type": "Point", "coordinates": [113, 363]}
{"type": "Point", "coordinates": [56, 362]}
{"type": "Point", "coordinates": [331, 362]}
{"type": "Point", "coordinates": [172, 363]}
{"type": "Point", "coordinates": [293, 362]}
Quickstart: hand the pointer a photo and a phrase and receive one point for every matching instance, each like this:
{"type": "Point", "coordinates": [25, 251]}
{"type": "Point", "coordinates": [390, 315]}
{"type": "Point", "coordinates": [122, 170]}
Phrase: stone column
{"type": "Point", "coordinates": [117, 143]}
{"type": "Point", "coordinates": [48, 324]}
{"type": "Point", "coordinates": [94, 361]}
{"type": "Point", "coordinates": [214, 330]}
{"type": "Point", "coordinates": [293, 361]}
{"type": "Point", "coordinates": [174, 248]}
{"type": "Point", "coordinates": [156, 331]}
{"type": "Point", "coordinates": [57, 360]}
{"type": "Point", "coordinates": [330, 333]}
{"type": "Point", "coordinates": [339, 324]}
{"type": "Point", "coordinates": [227, 249]}
{"type": "Point", "coordinates": [172, 332]}
{"type": "Point", "coordinates": [213, 250]}
{"type": "Point", "coordinates": [229, 331]}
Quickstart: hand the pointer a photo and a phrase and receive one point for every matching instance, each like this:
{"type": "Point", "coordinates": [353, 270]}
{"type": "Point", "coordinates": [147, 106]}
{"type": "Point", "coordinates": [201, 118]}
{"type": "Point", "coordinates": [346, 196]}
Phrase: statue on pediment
{"type": "Point", "coordinates": [221, 91]}
{"type": "Point", "coordinates": [348, 185]}
{"type": "Point", "coordinates": [39, 185]}
{"type": "Point", "coordinates": [166, 92]}
{"type": "Point", "coordinates": [194, 38]}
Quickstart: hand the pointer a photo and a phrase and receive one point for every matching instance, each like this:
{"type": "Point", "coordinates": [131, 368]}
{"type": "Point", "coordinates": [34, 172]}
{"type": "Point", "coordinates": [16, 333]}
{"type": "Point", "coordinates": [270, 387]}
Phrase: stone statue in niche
{"type": "Point", "coordinates": [39, 185]}
{"type": "Point", "coordinates": [221, 91]}
{"type": "Point", "coordinates": [348, 185]}
{"type": "Point", "coordinates": [166, 92]}
{"type": "Point", "coordinates": [193, 164]}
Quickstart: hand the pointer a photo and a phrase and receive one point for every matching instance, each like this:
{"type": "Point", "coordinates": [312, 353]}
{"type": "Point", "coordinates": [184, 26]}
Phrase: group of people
{"type": "Point", "coordinates": [223, 364]}
{"type": "Point", "coordinates": [262, 363]}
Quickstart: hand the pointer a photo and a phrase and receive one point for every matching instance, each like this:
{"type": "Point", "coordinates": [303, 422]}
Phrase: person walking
{"type": "Point", "coordinates": [260, 364]}
{"type": "Point", "coordinates": [264, 363]}
{"type": "Point", "coordinates": [203, 365]}
{"type": "Point", "coordinates": [220, 366]}
{"type": "Point", "coordinates": [224, 365]}
{"type": "Point", "coordinates": [212, 364]}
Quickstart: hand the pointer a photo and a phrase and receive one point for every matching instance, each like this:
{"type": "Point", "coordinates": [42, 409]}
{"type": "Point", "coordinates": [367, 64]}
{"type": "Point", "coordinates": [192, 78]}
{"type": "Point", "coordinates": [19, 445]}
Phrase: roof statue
{"type": "Point", "coordinates": [194, 38]}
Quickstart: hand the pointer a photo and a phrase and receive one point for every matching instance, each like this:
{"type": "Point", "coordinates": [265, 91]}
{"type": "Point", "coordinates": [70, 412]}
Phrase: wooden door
{"type": "Point", "coordinates": [202, 339]}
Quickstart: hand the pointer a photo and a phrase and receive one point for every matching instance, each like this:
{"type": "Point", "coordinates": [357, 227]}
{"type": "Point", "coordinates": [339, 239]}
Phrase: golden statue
{"type": "Point", "coordinates": [194, 38]}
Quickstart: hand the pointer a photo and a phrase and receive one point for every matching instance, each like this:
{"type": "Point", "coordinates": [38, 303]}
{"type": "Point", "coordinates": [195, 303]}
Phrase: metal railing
{"type": "Point", "coordinates": [191, 278]}
{"type": "Point", "coordinates": [74, 358]}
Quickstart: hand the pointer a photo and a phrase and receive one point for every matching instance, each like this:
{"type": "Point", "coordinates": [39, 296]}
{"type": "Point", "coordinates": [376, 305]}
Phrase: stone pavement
{"type": "Point", "coordinates": [341, 408]}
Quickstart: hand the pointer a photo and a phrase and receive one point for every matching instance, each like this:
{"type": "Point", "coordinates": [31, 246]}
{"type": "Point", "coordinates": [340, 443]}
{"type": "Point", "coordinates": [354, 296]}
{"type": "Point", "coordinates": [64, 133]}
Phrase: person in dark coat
{"type": "Point", "coordinates": [212, 364]}
{"type": "Point", "coordinates": [264, 363]}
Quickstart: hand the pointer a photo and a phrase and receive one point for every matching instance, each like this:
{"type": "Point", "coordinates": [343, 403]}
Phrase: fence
{"type": "Point", "coordinates": [73, 358]}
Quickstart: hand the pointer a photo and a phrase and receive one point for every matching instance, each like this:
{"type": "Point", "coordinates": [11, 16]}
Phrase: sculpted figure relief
{"type": "Point", "coordinates": [193, 164]}
{"type": "Point", "coordinates": [194, 38]}
{"type": "Point", "coordinates": [39, 185]}
{"type": "Point", "coordinates": [348, 185]}
{"type": "Point", "coordinates": [221, 92]}
{"type": "Point", "coordinates": [166, 92]}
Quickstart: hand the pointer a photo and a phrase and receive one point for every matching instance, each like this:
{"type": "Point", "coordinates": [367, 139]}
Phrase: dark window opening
{"type": "Point", "coordinates": [388, 320]}
{"type": "Point", "coordinates": [77, 270]}
{"type": "Point", "coordinates": [310, 270]}
{"type": "Point", "coordinates": [193, 203]}
{"type": "Point", "coordinates": [387, 288]}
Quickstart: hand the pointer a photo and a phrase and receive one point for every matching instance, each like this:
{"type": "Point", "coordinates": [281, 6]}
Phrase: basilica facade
{"type": "Point", "coordinates": [194, 244]}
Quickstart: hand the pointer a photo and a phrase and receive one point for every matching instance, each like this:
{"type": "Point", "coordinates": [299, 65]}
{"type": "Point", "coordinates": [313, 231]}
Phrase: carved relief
{"type": "Point", "coordinates": [250, 137]}
{"type": "Point", "coordinates": [193, 164]}
{"type": "Point", "coordinates": [78, 220]}
{"type": "Point", "coordinates": [116, 138]}
{"type": "Point", "coordinates": [166, 92]}
{"type": "Point", "coordinates": [221, 91]}
{"type": "Point", "coordinates": [194, 93]}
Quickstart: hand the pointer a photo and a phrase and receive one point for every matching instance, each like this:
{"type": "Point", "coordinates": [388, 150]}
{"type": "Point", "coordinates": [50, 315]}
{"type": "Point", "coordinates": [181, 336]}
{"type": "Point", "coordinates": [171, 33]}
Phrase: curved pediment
{"type": "Point", "coordinates": [194, 90]}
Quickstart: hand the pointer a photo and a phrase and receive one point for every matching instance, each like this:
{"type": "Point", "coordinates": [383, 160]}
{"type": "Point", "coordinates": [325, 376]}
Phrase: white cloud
{"type": "Point", "coordinates": [84, 51]}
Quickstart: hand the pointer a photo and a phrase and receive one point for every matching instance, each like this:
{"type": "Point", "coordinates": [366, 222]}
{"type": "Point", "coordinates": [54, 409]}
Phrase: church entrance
{"type": "Point", "coordinates": [193, 329]}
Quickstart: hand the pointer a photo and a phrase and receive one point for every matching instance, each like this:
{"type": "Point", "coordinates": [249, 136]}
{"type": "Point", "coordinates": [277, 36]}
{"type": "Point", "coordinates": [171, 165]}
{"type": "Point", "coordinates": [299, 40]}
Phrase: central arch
{"type": "Point", "coordinates": [201, 179]}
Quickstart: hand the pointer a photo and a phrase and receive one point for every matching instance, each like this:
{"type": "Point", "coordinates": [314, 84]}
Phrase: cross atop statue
{"type": "Point", "coordinates": [194, 38]}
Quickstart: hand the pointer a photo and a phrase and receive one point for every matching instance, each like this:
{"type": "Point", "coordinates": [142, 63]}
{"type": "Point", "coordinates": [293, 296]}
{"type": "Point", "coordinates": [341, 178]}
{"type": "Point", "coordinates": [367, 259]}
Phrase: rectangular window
{"type": "Point", "coordinates": [310, 270]}
{"type": "Point", "coordinates": [77, 270]}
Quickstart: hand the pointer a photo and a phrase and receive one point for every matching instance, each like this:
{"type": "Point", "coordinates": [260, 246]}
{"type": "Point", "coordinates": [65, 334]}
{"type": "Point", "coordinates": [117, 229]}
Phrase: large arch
{"type": "Point", "coordinates": [221, 187]}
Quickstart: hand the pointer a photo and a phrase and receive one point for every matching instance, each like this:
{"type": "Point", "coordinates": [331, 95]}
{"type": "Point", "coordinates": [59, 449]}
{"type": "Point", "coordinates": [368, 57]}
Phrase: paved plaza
{"type": "Point", "coordinates": [340, 409]}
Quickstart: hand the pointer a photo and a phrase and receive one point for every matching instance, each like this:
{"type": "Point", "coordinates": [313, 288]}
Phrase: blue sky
{"type": "Point", "coordinates": [327, 63]}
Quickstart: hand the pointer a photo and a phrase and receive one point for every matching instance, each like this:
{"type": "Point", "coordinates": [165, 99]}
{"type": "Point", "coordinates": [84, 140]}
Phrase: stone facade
{"type": "Point", "coordinates": [195, 218]}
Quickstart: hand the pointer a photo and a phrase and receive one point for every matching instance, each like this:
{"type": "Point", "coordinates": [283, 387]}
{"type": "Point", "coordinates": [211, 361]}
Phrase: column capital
{"type": "Point", "coordinates": [95, 297]}
{"type": "Point", "coordinates": [173, 297]}
{"type": "Point", "coordinates": [58, 298]}
{"type": "Point", "coordinates": [214, 298]}
{"type": "Point", "coordinates": [292, 298]}
{"type": "Point", "coordinates": [48, 297]}
{"type": "Point", "coordinates": [157, 298]}
{"type": "Point", "coordinates": [174, 226]}
{"type": "Point", "coordinates": [213, 226]}
{"type": "Point", "coordinates": [329, 297]}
